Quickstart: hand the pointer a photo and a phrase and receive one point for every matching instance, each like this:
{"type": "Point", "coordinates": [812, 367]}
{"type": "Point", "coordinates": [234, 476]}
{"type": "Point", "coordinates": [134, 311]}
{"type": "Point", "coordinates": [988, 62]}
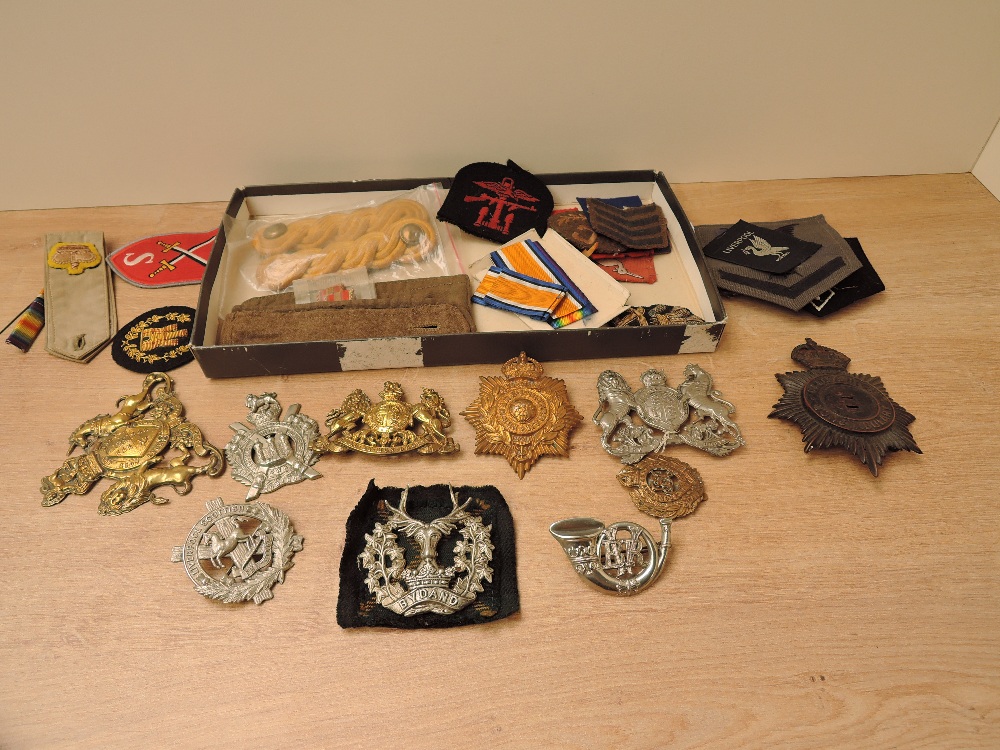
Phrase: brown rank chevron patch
{"type": "Point", "coordinates": [641, 228]}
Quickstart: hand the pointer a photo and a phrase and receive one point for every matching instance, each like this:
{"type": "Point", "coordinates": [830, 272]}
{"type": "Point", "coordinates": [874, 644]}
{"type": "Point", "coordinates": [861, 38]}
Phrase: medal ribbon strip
{"type": "Point", "coordinates": [531, 275]}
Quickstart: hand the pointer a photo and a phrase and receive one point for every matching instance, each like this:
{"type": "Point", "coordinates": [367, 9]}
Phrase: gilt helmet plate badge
{"type": "Point", "coordinates": [839, 409]}
{"type": "Point", "coordinates": [522, 415]}
{"type": "Point", "coordinates": [389, 427]}
{"type": "Point", "coordinates": [275, 451]}
{"type": "Point", "coordinates": [130, 446]}
{"type": "Point", "coordinates": [256, 541]}
{"type": "Point", "coordinates": [664, 409]}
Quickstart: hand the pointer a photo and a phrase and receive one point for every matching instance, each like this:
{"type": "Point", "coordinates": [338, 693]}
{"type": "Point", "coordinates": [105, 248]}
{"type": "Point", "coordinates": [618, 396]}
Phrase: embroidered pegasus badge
{"type": "Point", "coordinates": [762, 247]}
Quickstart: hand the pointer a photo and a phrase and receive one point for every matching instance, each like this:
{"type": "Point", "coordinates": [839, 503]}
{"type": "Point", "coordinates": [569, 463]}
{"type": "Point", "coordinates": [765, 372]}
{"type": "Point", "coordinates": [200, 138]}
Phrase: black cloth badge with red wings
{"type": "Point", "coordinates": [497, 202]}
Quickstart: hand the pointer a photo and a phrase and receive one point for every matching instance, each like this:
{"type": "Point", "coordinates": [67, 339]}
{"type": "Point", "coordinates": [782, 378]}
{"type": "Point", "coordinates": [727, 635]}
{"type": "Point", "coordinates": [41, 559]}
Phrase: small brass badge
{"type": "Point", "coordinates": [663, 487]}
{"type": "Point", "coordinates": [74, 257]}
{"type": "Point", "coordinates": [275, 451]}
{"type": "Point", "coordinates": [523, 415]}
{"type": "Point", "coordinates": [389, 427]}
{"type": "Point", "coordinates": [129, 447]}
{"type": "Point", "coordinates": [840, 409]}
{"type": "Point", "coordinates": [256, 540]}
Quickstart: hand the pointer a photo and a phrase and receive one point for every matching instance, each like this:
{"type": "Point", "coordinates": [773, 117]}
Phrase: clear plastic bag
{"type": "Point", "coordinates": [391, 240]}
{"type": "Point", "coordinates": [334, 287]}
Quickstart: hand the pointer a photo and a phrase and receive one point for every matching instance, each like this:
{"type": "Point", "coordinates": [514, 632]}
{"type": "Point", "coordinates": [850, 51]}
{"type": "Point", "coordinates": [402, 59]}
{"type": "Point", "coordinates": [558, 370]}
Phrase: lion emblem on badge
{"type": "Point", "coordinates": [389, 427]}
{"type": "Point", "coordinates": [129, 446]}
{"type": "Point", "coordinates": [664, 409]}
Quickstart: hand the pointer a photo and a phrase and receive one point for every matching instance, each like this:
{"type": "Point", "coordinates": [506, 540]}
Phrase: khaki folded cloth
{"type": "Point", "coordinates": [414, 307]}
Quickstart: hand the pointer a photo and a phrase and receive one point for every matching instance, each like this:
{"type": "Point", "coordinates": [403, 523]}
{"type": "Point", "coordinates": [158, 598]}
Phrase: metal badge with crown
{"type": "Point", "coordinates": [427, 587]}
{"type": "Point", "coordinates": [666, 409]}
{"type": "Point", "coordinates": [275, 451]}
{"type": "Point", "coordinates": [523, 415]}
{"type": "Point", "coordinates": [840, 409]}
{"type": "Point", "coordinates": [389, 427]}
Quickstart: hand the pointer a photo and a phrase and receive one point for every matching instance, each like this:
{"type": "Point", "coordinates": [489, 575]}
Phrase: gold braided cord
{"type": "Point", "coordinates": [372, 237]}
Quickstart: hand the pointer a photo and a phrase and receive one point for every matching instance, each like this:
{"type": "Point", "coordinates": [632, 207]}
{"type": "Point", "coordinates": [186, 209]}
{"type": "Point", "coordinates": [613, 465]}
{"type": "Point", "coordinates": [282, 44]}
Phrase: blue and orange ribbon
{"type": "Point", "coordinates": [525, 279]}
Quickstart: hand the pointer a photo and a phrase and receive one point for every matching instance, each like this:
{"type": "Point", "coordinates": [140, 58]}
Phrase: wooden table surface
{"type": "Point", "coordinates": [806, 604]}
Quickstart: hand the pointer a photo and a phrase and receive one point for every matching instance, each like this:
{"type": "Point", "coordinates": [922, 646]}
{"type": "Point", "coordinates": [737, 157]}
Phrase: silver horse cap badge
{"type": "Point", "coordinates": [275, 451]}
{"type": "Point", "coordinates": [256, 541]}
{"type": "Point", "coordinates": [665, 409]}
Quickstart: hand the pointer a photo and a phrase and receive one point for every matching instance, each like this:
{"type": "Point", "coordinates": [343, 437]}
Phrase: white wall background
{"type": "Point", "coordinates": [108, 103]}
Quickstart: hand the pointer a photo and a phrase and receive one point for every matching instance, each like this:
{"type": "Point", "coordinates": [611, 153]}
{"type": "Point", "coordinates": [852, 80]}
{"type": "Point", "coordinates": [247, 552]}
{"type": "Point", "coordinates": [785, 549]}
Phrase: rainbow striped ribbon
{"type": "Point", "coordinates": [28, 325]}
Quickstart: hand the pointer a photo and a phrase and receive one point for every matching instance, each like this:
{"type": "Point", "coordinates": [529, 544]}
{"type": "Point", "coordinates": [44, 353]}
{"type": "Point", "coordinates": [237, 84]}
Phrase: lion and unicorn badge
{"type": "Point", "coordinates": [130, 447]}
{"type": "Point", "coordinates": [389, 427]}
{"type": "Point", "coordinates": [622, 557]}
{"type": "Point", "coordinates": [664, 409]}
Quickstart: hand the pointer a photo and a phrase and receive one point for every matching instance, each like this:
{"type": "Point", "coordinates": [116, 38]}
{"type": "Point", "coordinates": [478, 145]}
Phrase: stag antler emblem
{"type": "Point", "coordinates": [427, 587]}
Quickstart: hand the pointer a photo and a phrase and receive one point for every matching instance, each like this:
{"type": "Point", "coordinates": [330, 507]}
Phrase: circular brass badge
{"type": "Point", "coordinates": [848, 401]}
{"type": "Point", "coordinates": [663, 487]}
{"type": "Point", "coordinates": [523, 410]}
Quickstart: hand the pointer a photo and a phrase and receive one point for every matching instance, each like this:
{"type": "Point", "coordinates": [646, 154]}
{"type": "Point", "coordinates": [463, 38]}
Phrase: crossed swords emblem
{"type": "Point", "coordinates": [182, 253]}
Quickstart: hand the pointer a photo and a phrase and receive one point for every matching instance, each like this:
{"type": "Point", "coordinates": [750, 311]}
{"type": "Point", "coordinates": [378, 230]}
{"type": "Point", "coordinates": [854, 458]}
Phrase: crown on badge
{"type": "Point", "coordinates": [522, 366]}
{"type": "Point", "coordinates": [427, 576]}
{"type": "Point", "coordinates": [813, 356]}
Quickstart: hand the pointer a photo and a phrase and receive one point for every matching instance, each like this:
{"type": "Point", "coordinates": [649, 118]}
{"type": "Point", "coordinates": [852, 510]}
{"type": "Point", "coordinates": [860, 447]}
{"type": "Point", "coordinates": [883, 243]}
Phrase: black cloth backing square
{"type": "Point", "coordinates": [356, 605]}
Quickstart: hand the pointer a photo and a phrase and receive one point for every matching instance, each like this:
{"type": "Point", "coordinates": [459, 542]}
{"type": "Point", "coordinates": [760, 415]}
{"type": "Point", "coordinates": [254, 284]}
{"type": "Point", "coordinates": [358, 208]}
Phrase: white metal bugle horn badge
{"type": "Point", "coordinates": [622, 557]}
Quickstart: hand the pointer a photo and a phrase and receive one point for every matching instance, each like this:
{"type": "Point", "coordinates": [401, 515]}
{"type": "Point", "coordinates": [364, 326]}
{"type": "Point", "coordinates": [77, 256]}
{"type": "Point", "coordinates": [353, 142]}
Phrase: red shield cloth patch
{"type": "Point", "coordinates": [164, 259]}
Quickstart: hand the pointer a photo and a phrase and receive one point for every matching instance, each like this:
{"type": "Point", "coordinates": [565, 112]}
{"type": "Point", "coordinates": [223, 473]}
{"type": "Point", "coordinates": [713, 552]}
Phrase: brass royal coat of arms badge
{"type": "Point", "coordinates": [129, 447]}
{"type": "Point", "coordinates": [390, 427]}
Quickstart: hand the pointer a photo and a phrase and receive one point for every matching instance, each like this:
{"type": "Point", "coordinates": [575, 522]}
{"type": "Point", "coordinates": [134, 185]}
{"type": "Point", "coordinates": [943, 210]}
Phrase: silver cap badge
{"type": "Point", "coordinates": [274, 452]}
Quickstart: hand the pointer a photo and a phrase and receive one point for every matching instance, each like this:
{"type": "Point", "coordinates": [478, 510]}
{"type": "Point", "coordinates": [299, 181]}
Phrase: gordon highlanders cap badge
{"type": "Point", "coordinates": [424, 557]}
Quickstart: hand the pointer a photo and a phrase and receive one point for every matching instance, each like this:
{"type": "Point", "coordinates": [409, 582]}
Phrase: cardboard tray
{"type": "Point", "coordinates": [683, 276]}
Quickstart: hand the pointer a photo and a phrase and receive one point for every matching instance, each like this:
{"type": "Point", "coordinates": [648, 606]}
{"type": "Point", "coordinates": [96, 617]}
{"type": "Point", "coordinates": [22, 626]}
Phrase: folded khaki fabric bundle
{"type": "Point", "coordinates": [414, 307]}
